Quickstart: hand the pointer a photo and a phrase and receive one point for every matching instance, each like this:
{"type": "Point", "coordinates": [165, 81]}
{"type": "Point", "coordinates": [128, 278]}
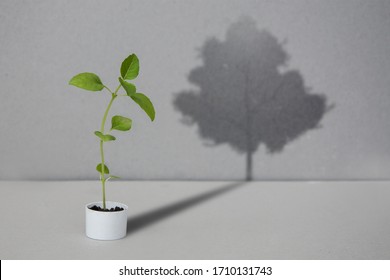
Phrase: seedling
{"type": "Point", "coordinates": [90, 81]}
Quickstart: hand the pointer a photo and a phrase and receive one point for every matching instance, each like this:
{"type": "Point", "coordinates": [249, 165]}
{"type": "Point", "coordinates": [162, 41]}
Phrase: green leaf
{"type": "Point", "coordinates": [129, 87]}
{"type": "Point", "coordinates": [99, 169]}
{"type": "Point", "coordinates": [130, 67]}
{"type": "Point", "coordinates": [104, 137]}
{"type": "Point", "coordinates": [144, 102]}
{"type": "Point", "coordinates": [88, 81]}
{"type": "Point", "coordinates": [113, 177]}
{"type": "Point", "coordinates": [120, 123]}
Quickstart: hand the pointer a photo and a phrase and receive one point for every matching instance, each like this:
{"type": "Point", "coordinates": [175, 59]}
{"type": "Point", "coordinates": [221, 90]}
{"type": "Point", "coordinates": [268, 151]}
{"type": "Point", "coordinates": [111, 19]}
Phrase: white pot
{"type": "Point", "coordinates": [106, 225]}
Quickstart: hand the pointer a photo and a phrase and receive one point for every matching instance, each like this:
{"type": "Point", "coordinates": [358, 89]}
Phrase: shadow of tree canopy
{"type": "Point", "coordinates": [245, 98]}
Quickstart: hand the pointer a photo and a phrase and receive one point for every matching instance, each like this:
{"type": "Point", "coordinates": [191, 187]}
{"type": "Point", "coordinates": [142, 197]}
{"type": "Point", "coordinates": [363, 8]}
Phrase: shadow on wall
{"type": "Point", "coordinates": [245, 98]}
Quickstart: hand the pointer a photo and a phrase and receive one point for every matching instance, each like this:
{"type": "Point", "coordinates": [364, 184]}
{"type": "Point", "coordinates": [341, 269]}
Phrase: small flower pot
{"type": "Point", "coordinates": [106, 225]}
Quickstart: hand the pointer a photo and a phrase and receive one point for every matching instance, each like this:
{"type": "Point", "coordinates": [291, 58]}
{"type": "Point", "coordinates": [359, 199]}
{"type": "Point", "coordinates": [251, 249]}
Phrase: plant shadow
{"type": "Point", "coordinates": [155, 215]}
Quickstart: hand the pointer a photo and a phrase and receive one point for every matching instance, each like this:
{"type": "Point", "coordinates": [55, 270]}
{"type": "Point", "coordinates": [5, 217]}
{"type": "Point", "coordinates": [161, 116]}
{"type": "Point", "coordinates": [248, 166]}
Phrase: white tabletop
{"type": "Point", "coordinates": [200, 220]}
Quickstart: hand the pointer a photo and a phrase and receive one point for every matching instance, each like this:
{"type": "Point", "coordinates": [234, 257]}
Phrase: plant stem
{"type": "Point", "coordinates": [107, 89]}
{"type": "Point", "coordinates": [116, 90]}
{"type": "Point", "coordinates": [102, 177]}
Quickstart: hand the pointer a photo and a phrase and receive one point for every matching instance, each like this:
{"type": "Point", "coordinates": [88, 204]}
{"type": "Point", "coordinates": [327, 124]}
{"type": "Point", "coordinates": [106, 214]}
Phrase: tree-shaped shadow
{"type": "Point", "coordinates": [245, 98]}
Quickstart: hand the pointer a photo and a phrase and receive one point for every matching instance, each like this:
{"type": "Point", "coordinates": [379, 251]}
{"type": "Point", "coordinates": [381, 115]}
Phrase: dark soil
{"type": "Point", "coordinates": [98, 208]}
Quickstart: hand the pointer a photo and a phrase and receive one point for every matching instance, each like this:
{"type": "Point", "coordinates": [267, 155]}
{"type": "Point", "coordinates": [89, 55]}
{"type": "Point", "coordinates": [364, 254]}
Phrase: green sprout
{"type": "Point", "coordinates": [90, 81]}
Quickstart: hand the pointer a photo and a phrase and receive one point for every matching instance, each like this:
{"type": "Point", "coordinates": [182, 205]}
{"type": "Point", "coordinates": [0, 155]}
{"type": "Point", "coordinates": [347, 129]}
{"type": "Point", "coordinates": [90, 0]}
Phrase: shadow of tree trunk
{"type": "Point", "coordinates": [249, 167]}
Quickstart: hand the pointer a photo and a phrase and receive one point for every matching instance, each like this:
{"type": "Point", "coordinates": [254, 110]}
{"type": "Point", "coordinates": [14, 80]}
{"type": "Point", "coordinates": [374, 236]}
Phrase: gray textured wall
{"type": "Point", "coordinates": [341, 49]}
